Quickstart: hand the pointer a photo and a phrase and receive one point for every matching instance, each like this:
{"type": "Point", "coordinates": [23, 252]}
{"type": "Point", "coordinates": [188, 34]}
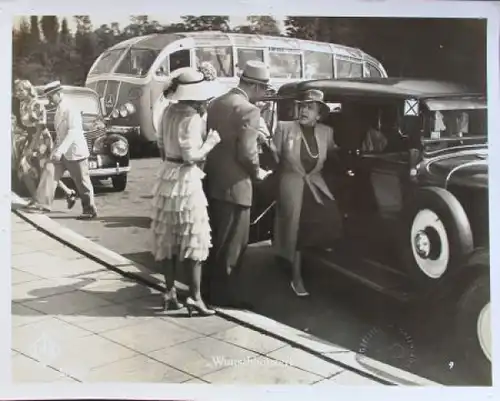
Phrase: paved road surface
{"type": "Point", "coordinates": [338, 311]}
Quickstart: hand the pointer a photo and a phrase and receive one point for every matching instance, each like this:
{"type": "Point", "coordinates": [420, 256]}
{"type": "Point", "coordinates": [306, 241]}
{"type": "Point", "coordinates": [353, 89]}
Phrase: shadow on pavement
{"type": "Point", "coordinates": [138, 300]}
{"type": "Point", "coordinates": [114, 221]}
{"type": "Point", "coordinates": [144, 259]}
{"type": "Point", "coordinates": [129, 221]}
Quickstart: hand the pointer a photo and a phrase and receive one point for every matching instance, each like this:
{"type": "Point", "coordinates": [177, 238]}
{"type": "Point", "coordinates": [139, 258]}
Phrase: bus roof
{"type": "Point", "coordinates": [384, 87]}
{"type": "Point", "coordinates": [217, 38]}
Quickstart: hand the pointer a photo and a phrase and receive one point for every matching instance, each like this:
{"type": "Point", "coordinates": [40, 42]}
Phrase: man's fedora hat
{"type": "Point", "coordinates": [256, 72]}
{"type": "Point", "coordinates": [314, 96]}
{"type": "Point", "coordinates": [52, 87]}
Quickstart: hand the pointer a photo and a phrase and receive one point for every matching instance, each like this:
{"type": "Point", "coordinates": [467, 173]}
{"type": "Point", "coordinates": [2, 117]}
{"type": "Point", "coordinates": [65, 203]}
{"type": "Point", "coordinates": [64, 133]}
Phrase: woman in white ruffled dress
{"type": "Point", "coordinates": [180, 226]}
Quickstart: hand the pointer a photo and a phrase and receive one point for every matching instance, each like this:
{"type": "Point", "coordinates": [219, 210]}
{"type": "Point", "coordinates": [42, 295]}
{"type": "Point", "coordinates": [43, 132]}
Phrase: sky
{"type": "Point", "coordinates": [124, 20]}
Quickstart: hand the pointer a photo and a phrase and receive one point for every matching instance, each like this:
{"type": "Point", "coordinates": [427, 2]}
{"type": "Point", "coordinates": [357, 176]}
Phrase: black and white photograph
{"type": "Point", "coordinates": [251, 199]}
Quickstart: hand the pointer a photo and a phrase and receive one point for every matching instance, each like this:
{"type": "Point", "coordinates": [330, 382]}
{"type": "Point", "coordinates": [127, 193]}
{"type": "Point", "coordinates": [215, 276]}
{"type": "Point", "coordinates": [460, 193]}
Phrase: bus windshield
{"type": "Point", "coordinates": [137, 62]}
{"type": "Point", "coordinates": [107, 62]}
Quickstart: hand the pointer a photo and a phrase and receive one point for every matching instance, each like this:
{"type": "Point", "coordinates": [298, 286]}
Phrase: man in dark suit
{"type": "Point", "coordinates": [231, 167]}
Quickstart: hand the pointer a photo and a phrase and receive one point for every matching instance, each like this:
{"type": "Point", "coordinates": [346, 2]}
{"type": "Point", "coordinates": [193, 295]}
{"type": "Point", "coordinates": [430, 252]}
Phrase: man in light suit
{"type": "Point", "coordinates": [70, 153]}
{"type": "Point", "coordinates": [231, 167]}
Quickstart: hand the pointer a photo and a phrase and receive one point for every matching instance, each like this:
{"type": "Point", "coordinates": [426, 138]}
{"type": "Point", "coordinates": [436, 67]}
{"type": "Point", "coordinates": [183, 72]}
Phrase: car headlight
{"type": "Point", "coordinates": [119, 148]}
{"type": "Point", "coordinates": [115, 113]}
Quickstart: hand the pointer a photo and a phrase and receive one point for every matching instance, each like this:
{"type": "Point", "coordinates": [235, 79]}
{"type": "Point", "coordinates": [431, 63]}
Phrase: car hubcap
{"type": "Point", "coordinates": [430, 244]}
{"type": "Point", "coordinates": [484, 330]}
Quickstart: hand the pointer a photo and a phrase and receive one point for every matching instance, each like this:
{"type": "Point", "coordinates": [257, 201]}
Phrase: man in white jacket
{"type": "Point", "coordinates": [70, 153]}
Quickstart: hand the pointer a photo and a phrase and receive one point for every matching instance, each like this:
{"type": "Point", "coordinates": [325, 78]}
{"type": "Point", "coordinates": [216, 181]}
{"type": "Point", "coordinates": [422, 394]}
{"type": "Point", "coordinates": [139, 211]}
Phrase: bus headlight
{"type": "Point", "coordinates": [127, 109]}
{"type": "Point", "coordinates": [119, 148]}
{"type": "Point", "coordinates": [130, 108]}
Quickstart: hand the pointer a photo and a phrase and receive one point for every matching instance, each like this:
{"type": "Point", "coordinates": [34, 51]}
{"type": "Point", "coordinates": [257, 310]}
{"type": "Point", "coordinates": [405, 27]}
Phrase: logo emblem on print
{"type": "Point", "coordinates": [45, 349]}
{"type": "Point", "coordinates": [389, 344]}
{"type": "Point", "coordinates": [109, 101]}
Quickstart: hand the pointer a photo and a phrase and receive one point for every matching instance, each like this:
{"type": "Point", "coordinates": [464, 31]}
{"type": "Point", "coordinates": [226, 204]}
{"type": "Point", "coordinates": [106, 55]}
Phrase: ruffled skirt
{"type": "Point", "coordinates": [179, 216]}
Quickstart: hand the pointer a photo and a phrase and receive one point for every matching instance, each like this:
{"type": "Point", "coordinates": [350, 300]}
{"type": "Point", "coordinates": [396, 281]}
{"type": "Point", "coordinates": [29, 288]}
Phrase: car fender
{"type": "Point", "coordinates": [476, 264]}
{"type": "Point", "coordinates": [116, 137]}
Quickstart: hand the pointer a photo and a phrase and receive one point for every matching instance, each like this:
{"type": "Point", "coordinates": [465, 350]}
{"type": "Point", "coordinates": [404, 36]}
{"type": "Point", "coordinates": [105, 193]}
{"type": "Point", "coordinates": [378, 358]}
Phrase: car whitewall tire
{"type": "Point", "coordinates": [484, 330]}
{"type": "Point", "coordinates": [437, 237]}
{"type": "Point", "coordinates": [430, 244]}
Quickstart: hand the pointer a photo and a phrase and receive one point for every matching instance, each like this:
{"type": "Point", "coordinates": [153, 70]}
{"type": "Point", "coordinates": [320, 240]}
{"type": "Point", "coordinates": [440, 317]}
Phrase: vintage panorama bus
{"type": "Point", "coordinates": [137, 70]}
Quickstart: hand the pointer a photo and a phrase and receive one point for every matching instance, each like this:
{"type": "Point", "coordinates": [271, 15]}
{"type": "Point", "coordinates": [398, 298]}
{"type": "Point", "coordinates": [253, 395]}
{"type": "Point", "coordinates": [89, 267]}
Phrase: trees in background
{"type": "Point", "coordinates": [453, 49]}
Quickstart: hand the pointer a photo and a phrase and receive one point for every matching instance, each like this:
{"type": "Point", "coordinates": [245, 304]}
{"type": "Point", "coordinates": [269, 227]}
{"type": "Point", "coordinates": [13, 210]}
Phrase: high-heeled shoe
{"type": "Point", "coordinates": [71, 199]}
{"type": "Point", "coordinates": [300, 294]}
{"type": "Point", "coordinates": [170, 301]}
{"type": "Point", "coordinates": [199, 306]}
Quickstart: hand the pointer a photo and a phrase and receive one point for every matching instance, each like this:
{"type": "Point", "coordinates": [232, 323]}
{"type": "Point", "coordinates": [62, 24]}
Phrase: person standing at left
{"type": "Point", "coordinates": [32, 142]}
{"type": "Point", "coordinates": [70, 153]}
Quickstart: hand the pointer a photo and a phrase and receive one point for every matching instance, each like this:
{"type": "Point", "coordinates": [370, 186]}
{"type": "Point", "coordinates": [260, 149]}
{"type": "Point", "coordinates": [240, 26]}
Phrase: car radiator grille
{"type": "Point", "coordinates": [91, 136]}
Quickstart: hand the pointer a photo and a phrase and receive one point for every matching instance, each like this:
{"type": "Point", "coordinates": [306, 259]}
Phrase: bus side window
{"type": "Point", "coordinates": [179, 59]}
{"type": "Point", "coordinates": [245, 55]}
{"type": "Point", "coordinates": [318, 65]}
{"type": "Point", "coordinates": [285, 65]}
{"type": "Point", "coordinates": [349, 69]}
{"type": "Point", "coordinates": [372, 71]}
{"type": "Point", "coordinates": [221, 58]}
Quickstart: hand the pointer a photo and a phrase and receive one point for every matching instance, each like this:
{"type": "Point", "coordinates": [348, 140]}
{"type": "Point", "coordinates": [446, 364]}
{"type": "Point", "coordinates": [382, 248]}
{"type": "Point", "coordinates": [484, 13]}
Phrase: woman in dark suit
{"type": "Point", "coordinates": [306, 211]}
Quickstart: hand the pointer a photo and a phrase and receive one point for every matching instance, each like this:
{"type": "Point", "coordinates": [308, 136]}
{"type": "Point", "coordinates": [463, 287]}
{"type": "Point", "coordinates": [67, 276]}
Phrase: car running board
{"type": "Point", "coordinates": [371, 274]}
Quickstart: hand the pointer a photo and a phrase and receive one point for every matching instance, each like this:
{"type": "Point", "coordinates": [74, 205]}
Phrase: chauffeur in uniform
{"type": "Point", "coordinates": [70, 153]}
{"type": "Point", "coordinates": [230, 169]}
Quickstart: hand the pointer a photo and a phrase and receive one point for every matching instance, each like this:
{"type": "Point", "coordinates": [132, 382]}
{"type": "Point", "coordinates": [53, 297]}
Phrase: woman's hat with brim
{"type": "Point", "coordinates": [256, 72]}
{"type": "Point", "coordinates": [315, 96]}
{"type": "Point", "coordinates": [192, 85]}
{"type": "Point", "coordinates": [52, 88]}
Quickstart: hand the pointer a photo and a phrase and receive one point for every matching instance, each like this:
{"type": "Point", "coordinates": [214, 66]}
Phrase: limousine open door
{"type": "Point", "coordinates": [265, 191]}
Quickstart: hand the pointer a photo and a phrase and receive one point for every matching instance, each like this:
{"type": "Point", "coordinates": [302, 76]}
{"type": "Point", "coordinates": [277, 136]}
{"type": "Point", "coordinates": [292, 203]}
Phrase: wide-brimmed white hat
{"type": "Point", "coordinates": [191, 84]}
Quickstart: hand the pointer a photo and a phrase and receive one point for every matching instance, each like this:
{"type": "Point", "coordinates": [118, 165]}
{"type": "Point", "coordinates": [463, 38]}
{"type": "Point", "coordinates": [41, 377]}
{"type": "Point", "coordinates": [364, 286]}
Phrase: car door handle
{"type": "Point", "coordinates": [350, 173]}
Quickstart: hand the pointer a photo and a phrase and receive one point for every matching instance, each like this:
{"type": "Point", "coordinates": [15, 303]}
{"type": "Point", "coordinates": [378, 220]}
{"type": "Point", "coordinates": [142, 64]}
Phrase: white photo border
{"type": "Point", "coordinates": [374, 8]}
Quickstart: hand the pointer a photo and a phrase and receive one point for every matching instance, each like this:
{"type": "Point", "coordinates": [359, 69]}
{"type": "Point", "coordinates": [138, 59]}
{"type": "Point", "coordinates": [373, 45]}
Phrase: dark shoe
{"type": "Point", "coordinates": [170, 301]}
{"type": "Point", "coordinates": [199, 306]}
{"type": "Point", "coordinates": [71, 199]}
{"type": "Point", "coordinates": [88, 215]}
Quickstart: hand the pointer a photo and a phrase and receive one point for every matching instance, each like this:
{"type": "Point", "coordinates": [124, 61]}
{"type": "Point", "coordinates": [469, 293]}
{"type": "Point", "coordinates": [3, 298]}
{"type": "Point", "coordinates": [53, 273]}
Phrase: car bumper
{"type": "Point", "coordinates": [104, 172]}
{"type": "Point", "coordinates": [126, 131]}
